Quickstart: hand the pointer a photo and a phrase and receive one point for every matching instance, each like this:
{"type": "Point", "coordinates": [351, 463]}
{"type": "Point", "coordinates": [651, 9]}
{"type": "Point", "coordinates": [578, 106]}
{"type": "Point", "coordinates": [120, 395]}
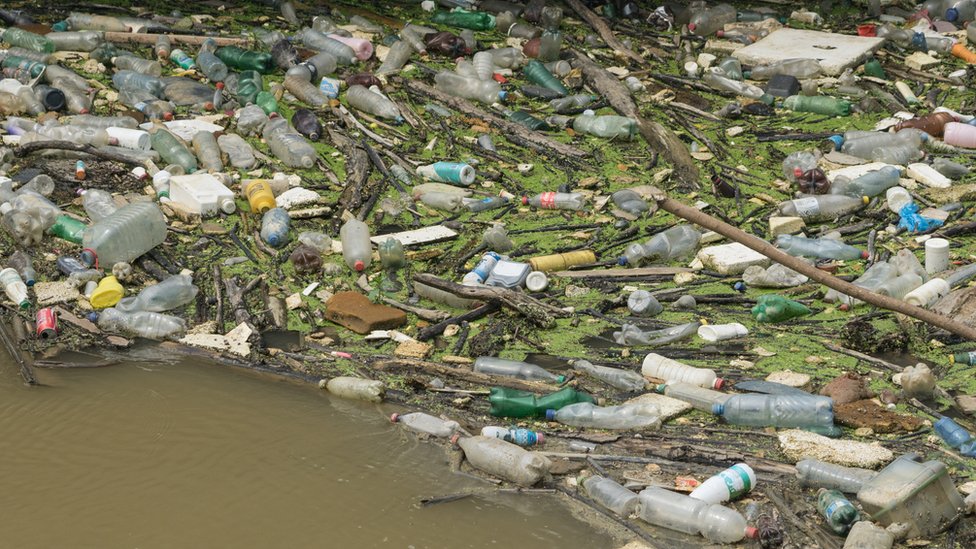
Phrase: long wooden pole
{"type": "Point", "coordinates": [190, 39]}
{"type": "Point", "coordinates": [704, 220]}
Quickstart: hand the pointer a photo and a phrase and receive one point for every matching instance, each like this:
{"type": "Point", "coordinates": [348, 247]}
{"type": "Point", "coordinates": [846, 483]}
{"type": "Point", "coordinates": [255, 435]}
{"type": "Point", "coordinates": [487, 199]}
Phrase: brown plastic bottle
{"type": "Point", "coordinates": [306, 259]}
{"type": "Point", "coordinates": [932, 124]}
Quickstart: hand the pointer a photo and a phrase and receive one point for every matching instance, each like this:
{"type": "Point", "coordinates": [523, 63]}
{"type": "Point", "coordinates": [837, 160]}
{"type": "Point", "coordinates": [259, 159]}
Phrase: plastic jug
{"type": "Point", "coordinates": [125, 235]}
{"type": "Point", "coordinates": [202, 193]}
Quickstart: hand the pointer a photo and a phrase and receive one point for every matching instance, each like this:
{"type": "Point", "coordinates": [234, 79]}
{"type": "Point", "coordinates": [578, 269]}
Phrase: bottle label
{"type": "Point", "coordinates": [329, 87]}
{"type": "Point", "coordinates": [835, 506]}
{"type": "Point", "coordinates": [547, 201]}
{"type": "Point", "coordinates": [806, 207]}
{"type": "Point", "coordinates": [737, 480]}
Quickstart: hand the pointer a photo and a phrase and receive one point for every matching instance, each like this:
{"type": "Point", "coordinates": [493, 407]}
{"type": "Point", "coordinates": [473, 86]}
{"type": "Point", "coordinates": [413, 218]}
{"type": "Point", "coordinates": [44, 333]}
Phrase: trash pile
{"type": "Point", "coordinates": [670, 260]}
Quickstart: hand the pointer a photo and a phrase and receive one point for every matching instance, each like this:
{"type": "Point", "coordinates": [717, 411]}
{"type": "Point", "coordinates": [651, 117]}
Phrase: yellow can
{"type": "Point", "coordinates": [259, 195]}
{"type": "Point", "coordinates": [108, 293]}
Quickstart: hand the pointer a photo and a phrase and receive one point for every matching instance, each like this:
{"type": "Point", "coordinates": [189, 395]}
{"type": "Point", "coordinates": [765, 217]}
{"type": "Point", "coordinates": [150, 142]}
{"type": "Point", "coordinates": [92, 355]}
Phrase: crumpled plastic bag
{"type": "Point", "coordinates": [914, 222]}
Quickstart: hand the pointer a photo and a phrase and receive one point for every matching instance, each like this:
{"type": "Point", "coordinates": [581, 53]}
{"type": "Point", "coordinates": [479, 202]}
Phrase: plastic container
{"type": "Point", "coordinates": [485, 91]}
{"type": "Point", "coordinates": [721, 332]}
{"type": "Point", "coordinates": [609, 494]}
{"type": "Point", "coordinates": [357, 250]}
{"type": "Point", "coordinates": [361, 98]}
{"type": "Point", "coordinates": [927, 294]}
{"type": "Point", "coordinates": [665, 369]}
{"type": "Point", "coordinates": [732, 483]}
{"type": "Point", "coordinates": [259, 195]}
{"type": "Point", "coordinates": [427, 424]}
{"type": "Point", "coordinates": [513, 368]}
{"type": "Point", "coordinates": [180, 58]}
{"type": "Point", "coordinates": [936, 255]}
{"type": "Point", "coordinates": [837, 510]}
{"type": "Point", "coordinates": [517, 404]}
{"type": "Point", "coordinates": [824, 248]}
{"type": "Point", "coordinates": [355, 388]}
{"type": "Point", "coordinates": [556, 201]}
{"type": "Point", "coordinates": [293, 150]}
{"type": "Point", "coordinates": [821, 207]}
{"type": "Point", "coordinates": [172, 150]}
{"type": "Point", "coordinates": [202, 193]}
{"type": "Point", "coordinates": [699, 397]}
{"type": "Point", "coordinates": [667, 245]}
{"type": "Point", "coordinates": [175, 291]}
{"type": "Point", "coordinates": [642, 303]}
{"type": "Point", "coordinates": [519, 436]}
{"type": "Point", "coordinates": [865, 535]}
{"type": "Point", "coordinates": [624, 380]}
{"type": "Point", "coordinates": [505, 460]}
{"type": "Point", "coordinates": [98, 204]}
{"type": "Point", "coordinates": [679, 512]}
{"type": "Point", "coordinates": [131, 231]}
{"type": "Point", "coordinates": [508, 274]}
{"type": "Point", "coordinates": [52, 98]}
{"type": "Point", "coordinates": [457, 173]}
{"type": "Point", "coordinates": [960, 135]}
{"type": "Point", "coordinates": [14, 287]}
{"type": "Point", "coordinates": [480, 272]}
{"type": "Point", "coordinates": [788, 411]}
{"type": "Point", "coordinates": [274, 227]}
{"type": "Point", "coordinates": [21, 262]}
{"type": "Point", "coordinates": [609, 126]}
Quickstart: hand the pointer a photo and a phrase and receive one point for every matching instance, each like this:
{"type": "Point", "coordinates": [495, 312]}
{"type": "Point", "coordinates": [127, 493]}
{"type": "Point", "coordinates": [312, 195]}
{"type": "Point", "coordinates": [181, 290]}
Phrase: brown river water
{"type": "Point", "coordinates": [167, 452]}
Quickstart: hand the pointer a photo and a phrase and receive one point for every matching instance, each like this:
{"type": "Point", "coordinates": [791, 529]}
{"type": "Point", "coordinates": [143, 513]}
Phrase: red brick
{"type": "Point", "coordinates": [356, 312]}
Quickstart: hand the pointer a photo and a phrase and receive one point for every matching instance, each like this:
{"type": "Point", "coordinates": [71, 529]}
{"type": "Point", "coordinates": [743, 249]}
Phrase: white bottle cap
{"type": "Point", "coordinates": [161, 177]}
{"type": "Point", "coordinates": [536, 281]}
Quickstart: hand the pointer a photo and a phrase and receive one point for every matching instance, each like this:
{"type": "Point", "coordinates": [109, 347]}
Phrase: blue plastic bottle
{"type": "Point", "coordinates": [274, 227]}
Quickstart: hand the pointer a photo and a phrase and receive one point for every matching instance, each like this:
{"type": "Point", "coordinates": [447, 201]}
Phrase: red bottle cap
{"type": "Point", "coordinates": [865, 254]}
{"type": "Point", "coordinates": [719, 382]}
{"type": "Point", "coordinates": [540, 438]}
{"type": "Point", "coordinates": [752, 532]}
{"type": "Point", "coordinates": [692, 27]}
{"type": "Point", "coordinates": [359, 265]}
{"type": "Point", "coordinates": [168, 116]}
{"type": "Point", "coordinates": [454, 439]}
{"type": "Point", "coordinates": [394, 417]}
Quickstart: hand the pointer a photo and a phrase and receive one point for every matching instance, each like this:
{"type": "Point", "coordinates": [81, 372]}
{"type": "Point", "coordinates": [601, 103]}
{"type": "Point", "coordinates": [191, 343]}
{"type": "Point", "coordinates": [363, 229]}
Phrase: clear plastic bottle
{"type": "Point", "coordinates": [948, 168]}
{"type": "Point", "coordinates": [444, 201]}
{"type": "Point", "coordinates": [665, 246]}
{"type": "Point", "coordinates": [903, 153]}
{"type": "Point", "coordinates": [293, 150]}
{"type": "Point", "coordinates": [361, 98]}
{"type": "Point", "coordinates": [759, 410]}
{"type": "Point", "coordinates": [706, 21]}
{"type": "Point", "coordinates": [485, 91]}
{"type": "Point", "coordinates": [175, 291]}
{"type": "Point", "coordinates": [821, 207]}
{"type": "Point", "coordinates": [819, 474]}
{"type": "Point", "coordinates": [624, 380]}
{"type": "Point", "coordinates": [863, 144]}
{"type": "Point", "coordinates": [519, 436]}
{"type": "Point", "coordinates": [28, 40]}
{"type": "Point", "coordinates": [715, 80]}
{"type": "Point", "coordinates": [135, 81]}
{"type": "Point", "coordinates": [315, 40]}
{"type": "Point", "coordinates": [307, 92]}
{"type": "Point", "coordinates": [11, 104]}
{"type": "Point", "coordinates": [251, 120]}
{"type": "Point", "coordinates": [679, 512]}
{"type": "Point", "coordinates": [420, 422]}
{"type": "Point", "coordinates": [496, 238]}
{"type": "Point", "coordinates": [162, 48]}
{"type": "Point", "coordinates": [866, 535]}
{"type": "Point", "coordinates": [315, 67]}
{"type": "Point", "coordinates": [85, 21]}
{"type": "Point", "coordinates": [104, 121]}
{"type": "Point", "coordinates": [826, 248]}
{"type": "Point", "coordinates": [172, 149]}
{"type": "Point", "coordinates": [274, 227]}
{"type": "Point", "coordinates": [643, 303]}
{"type": "Point", "coordinates": [556, 201]}
{"type": "Point", "coordinates": [838, 511]}
{"type": "Point", "coordinates": [732, 483]}
{"type": "Point", "coordinates": [52, 98]}
{"type": "Point", "coordinates": [869, 184]}
{"type": "Point", "coordinates": [362, 48]}
{"type": "Point", "coordinates": [610, 126]}
{"type": "Point", "coordinates": [635, 415]}
{"type": "Point", "coordinates": [14, 287]}
{"type": "Point", "coordinates": [699, 397]}
{"type": "Point", "coordinates": [148, 67]}
{"type": "Point", "coordinates": [131, 231]}
{"type": "Point", "coordinates": [513, 368]}
{"type": "Point", "coordinates": [86, 40]}
{"type": "Point", "coordinates": [611, 495]}
{"type": "Point", "coordinates": [206, 148]}
{"type": "Point", "coordinates": [355, 388]}
{"type": "Point", "coordinates": [801, 68]}
{"type": "Point", "coordinates": [357, 250]}
{"type": "Point", "coordinates": [798, 163]}
{"type": "Point", "coordinates": [21, 262]}
{"type": "Point", "coordinates": [98, 204]}
{"type": "Point", "coordinates": [239, 152]}
{"type": "Point", "coordinates": [571, 102]}
{"type": "Point", "coordinates": [142, 324]}
{"type": "Point", "coordinates": [505, 460]}
{"type": "Point", "coordinates": [671, 371]}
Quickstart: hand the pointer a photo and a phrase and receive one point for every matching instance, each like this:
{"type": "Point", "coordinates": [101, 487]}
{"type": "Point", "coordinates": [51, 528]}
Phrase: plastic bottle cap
{"type": "Point", "coordinates": [692, 27]}
{"type": "Point", "coordinates": [560, 379]}
{"type": "Point", "coordinates": [540, 438]}
{"type": "Point", "coordinates": [550, 414]}
{"type": "Point", "coordinates": [92, 317]}
{"type": "Point", "coordinates": [660, 388]}
{"type": "Point", "coordinates": [621, 261]}
{"type": "Point", "coordinates": [536, 281]}
{"type": "Point", "coordinates": [359, 265]}
{"type": "Point", "coordinates": [865, 199]}
{"type": "Point", "coordinates": [394, 417]}
{"type": "Point", "coordinates": [952, 359]}
{"type": "Point", "coordinates": [89, 257]}
{"type": "Point", "coordinates": [718, 409]}
{"type": "Point", "coordinates": [718, 33]}
{"type": "Point", "coordinates": [168, 116]}
{"type": "Point", "coordinates": [864, 254]}
{"type": "Point", "coordinates": [455, 438]}
{"type": "Point", "coordinates": [719, 382]}
{"type": "Point", "coordinates": [525, 200]}
{"type": "Point", "coordinates": [752, 532]}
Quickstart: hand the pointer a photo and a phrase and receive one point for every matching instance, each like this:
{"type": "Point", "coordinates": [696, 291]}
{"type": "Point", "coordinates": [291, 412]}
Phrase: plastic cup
{"type": "Point", "coordinates": [721, 332]}
{"type": "Point", "coordinates": [936, 255]}
{"type": "Point", "coordinates": [691, 69]}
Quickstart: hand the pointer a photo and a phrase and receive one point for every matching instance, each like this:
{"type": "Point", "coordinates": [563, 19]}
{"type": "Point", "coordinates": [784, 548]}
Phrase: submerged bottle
{"type": "Point", "coordinates": [516, 404]}
{"type": "Point", "coordinates": [839, 512]}
{"type": "Point", "coordinates": [669, 370]}
{"type": "Point", "coordinates": [513, 368]}
{"type": "Point", "coordinates": [611, 495]}
{"type": "Point", "coordinates": [819, 474]}
{"type": "Point", "coordinates": [175, 291]}
{"type": "Point", "coordinates": [760, 410]}
{"type": "Point", "coordinates": [129, 232]}
{"type": "Point", "coordinates": [636, 415]}
{"type": "Point", "coordinates": [486, 91]}
{"type": "Point", "coordinates": [624, 380]}
{"type": "Point", "coordinates": [357, 250]}
{"type": "Point", "coordinates": [679, 512]}
{"type": "Point", "coordinates": [420, 422]}
{"type": "Point", "coordinates": [822, 207]}
{"type": "Point", "coordinates": [141, 324]}
{"type": "Point", "coordinates": [673, 243]}
{"type": "Point", "coordinates": [356, 388]}
{"type": "Point", "coordinates": [505, 460]}
{"type": "Point", "coordinates": [826, 248]}
{"type": "Point", "coordinates": [776, 308]}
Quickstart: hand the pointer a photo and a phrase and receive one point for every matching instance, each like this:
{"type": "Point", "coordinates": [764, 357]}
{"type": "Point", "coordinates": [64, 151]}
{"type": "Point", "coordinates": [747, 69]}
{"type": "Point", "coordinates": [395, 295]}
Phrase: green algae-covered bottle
{"type": "Point", "coordinates": [514, 403]}
{"type": "Point", "coordinates": [245, 60]}
{"type": "Point", "coordinates": [818, 104]}
{"type": "Point", "coordinates": [474, 20]}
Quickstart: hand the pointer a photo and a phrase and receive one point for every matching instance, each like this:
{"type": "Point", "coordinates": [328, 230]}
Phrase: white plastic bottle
{"type": "Point", "coordinates": [679, 512]}
{"type": "Point", "coordinates": [420, 422]}
{"type": "Point", "coordinates": [357, 250]}
{"type": "Point", "coordinates": [664, 368]}
{"type": "Point", "coordinates": [361, 98]}
{"type": "Point", "coordinates": [608, 493]}
{"type": "Point", "coordinates": [626, 416]}
{"type": "Point", "coordinates": [355, 388]}
{"type": "Point", "coordinates": [505, 460]}
{"type": "Point", "coordinates": [14, 287]}
{"type": "Point", "coordinates": [732, 483]}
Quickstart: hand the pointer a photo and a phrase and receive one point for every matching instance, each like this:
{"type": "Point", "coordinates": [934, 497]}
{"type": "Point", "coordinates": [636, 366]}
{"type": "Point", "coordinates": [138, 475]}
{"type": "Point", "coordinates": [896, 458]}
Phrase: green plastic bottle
{"type": "Point", "coordinates": [245, 60]}
{"type": "Point", "coordinates": [525, 119]}
{"type": "Point", "coordinates": [68, 228]}
{"type": "Point", "coordinates": [267, 102]}
{"type": "Point", "coordinates": [818, 104]}
{"type": "Point", "coordinates": [963, 358]}
{"type": "Point", "coordinates": [35, 68]}
{"type": "Point", "coordinates": [28, 40]}
{"type": "Point", "coordinates": [514, 403]}
{"type": "Point", "coordinates": [249, 86]}
{"type": "Point", "coordinates": [776, 308]}
{"type": "Point", "coordinates": [172, 150]}
{"type": "Point", "coordinates": [837, 509]}
{"type": "Point", "coordinates": [474, 20]}
{"type": "Point", "coordinates": [872, 67]}
{"type": "Point", "coordinates": [538, 74]}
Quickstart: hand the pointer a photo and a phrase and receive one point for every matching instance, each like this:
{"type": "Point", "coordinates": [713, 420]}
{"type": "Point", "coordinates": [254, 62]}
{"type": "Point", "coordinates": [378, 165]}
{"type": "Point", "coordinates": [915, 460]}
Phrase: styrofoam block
{"type": "Point", "coordinates": [835, 52]}
{"type": "Point", "coordinates": [731, 258]}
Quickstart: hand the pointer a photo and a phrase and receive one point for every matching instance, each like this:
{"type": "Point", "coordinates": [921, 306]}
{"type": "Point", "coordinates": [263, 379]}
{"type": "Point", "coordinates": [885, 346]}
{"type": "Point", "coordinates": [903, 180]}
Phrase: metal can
{"type": "Point", "coordinates": [47, 323]}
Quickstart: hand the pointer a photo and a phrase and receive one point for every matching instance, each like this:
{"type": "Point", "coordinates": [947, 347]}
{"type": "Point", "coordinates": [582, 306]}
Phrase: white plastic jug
{"type": "Point", "coordinates": [201, 193]}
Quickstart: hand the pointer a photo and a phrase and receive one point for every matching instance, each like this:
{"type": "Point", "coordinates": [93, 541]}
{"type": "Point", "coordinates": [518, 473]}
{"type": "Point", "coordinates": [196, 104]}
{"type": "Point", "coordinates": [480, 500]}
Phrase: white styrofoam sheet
{"type": "Point", "coordinates": [417, 236]}
{"type": "Point", "coordinates": [835, 52]}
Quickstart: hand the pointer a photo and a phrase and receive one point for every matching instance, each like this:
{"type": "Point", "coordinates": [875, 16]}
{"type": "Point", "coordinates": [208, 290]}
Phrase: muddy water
{"type": "Point", "coordinates": [159, 452]}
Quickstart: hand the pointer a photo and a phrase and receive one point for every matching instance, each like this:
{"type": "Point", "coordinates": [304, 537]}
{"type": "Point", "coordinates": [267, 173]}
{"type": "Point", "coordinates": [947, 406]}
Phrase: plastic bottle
{"type": "Point", "coordinates": [315, 40]}
{"type": "Point", "coordinates": [184, 61]}
{"type": "Point", "coordinates": [293, 150]}
{"type": "Point", "coordinates": [679, 512]}
{"type": "Point", "coordinates": [570, 103]}
{"type": "Point", "coordinates": [131, 231]}
{"type": "Point", "coordinates": [903, 153]}
{"type": "Point", "coordinates": [866, 535]}
{"type": "Point", "coordinates": [274, 227]}
{"type": "Point", "coordinates": [665, 246]}
{"type": "Point", "coordinates": [818, 474]}
{"type": "Point", "coordinates": [362, 48]}
{"type": "Point", "coordinates": [821, 207]}
{"type": "Point", "coordinates": [458, 173]}
{"type": "Point", "coordinates": [717, 81]}
{"type": "Point", "coordinates": [175, 291]}
{"type": "Point", "coordinates": [206, 149]}
{"type": "Point", "coordinates": [98, 204]}
{"type": "Point", "coordinates": [950, 169]}
{"type": "Point", "coordinates": [960, 135]}
{"type": "Point", "coordinates": [517, 404]}
{"type": "Point", "coordinates": [239, 152]}
{"type": "Point", "coordinates": [68, 228]}
{"type": "Point", "coordinates": [307, 124]}
{"type": "Point", "coordinates": [626, 416]}
{"type": "Point", "coordinates": [486, 91]}
{"type": "Point", "coordinates": [801, 68]}
{"type": "Point", "coordinates": [427, 424]}
{"type": "Point", "coordinates": [314, 68]}
{"type": "Point", "coordinates": [643, 303]}
{"type": "Point", "coordinates": [862, 144]}
{"type": "Point", "coordinates": [474, 20]}
{"type": "Point", "coordinates": [732, 483]}
{"type": "Point", "coordinates": [307, 92]}
{"type": "Point", "coordinates": [699, 397]}
{"type": "Point", "coordinates": [480, 272]}
{"type": "Point", "coordinates": [244, 60]}
{"type": "Point", "coordinates": [75, 41]}
{"type": "Point", "coordinates": [611, 495]}
{"type": "Point", "coordinates": [137, 64]}
{"type": "Point", "coordinates": [837, 510]}
{"type": "Point", "coordinates": [135, 81]}
{"type": "Point", "coordinates": [776, 308]}
{"type": "Point", "coordinates": [513, 368]}
{"type": "Point", "coordinates": [663, 368]}
{"type": "Point", "coordinates": [357, 251]}
{"type": "Point", "coordinates": [21, 262]}
{"type": "Point", "coordinates": [11, 104]}
{"type": "Point", "coordinates": [85, 21]}
{"type": "Point", "coordinates": [825, 248]}
{"type": "Point", "coordinates": [52, 98]}
{"type": "Point", "coordinates": [155, 110]}
{"type": "Point", "coordinates": [537, 73]}
{"type": "Point", "coordinates": [897, 198]}
{"type": "Point", "coordinates": [172, 150]}
{"type": "Point", "coordinates": [610, 126]}
{"type": "Point", "coordinates": [705, 22]}
{"type": "Point", "coordinates": [555, 201]}
{"type": "Point", "coordinates": [306, 259]}
{"type": "Point", "coordinates": [504, 460]}
{"type": "Point", "coordinates": [759, 410]}
{"type": "Point", "coordinates": [28, 40]}
{"type": "Point", "coordinates": [355, 388]}
{"type": "Point", "coordinates": [818, 104]}
{"type": "Point", "coordinates": [869, 184]}
{"type": "Point", "coordinates": [519, 436]}
{"type": "Point", "coordinates": [624, 380]}
{"type": "Point", "coordinates": [363, 99]}
{"type": "Point", "coordinates": [141, 323]}
{"type": "Point", "coordinates": [14, 287]}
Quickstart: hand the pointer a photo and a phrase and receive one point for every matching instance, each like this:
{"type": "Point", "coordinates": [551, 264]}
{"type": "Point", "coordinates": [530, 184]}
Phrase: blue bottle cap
{"type": "Point", "coordinates": [93, 317]}
{"type": "Point", "coordinates": [951, 15]}
{"type": "Point", "coordinates": [502, 95]}
{"type": "Point", "coordinates": [739, 286]}
{"type": "Point", "coordinates": [918, 41]}
{"type": "Point", "coordinates": [838, 141]}
{"type": "Point", "coordinates": [623, 260]}
{"type": "Point", "coordinates": [550, 414]}
{"type": "Point", "coordinates": [718, 409]}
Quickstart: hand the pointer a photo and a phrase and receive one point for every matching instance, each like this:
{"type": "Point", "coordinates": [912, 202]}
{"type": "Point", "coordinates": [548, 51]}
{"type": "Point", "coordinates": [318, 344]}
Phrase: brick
{"type": "Point", "coordinates": [785, 225]}
{"type": "Point", "coordinates": [354, 311]}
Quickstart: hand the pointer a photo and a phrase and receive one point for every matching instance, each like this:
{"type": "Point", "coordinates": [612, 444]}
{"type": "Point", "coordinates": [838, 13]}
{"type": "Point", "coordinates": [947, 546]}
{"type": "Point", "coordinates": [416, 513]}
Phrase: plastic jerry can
{"type": "Point", "coordinates": [201, 193]}
{"type": "Point", "coordinates": [508, 274]}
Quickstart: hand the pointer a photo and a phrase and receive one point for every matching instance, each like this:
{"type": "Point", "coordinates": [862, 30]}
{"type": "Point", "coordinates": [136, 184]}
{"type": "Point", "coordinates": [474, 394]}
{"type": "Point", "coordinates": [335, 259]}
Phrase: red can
{"type": "Point", "coordinates": [47, 323]}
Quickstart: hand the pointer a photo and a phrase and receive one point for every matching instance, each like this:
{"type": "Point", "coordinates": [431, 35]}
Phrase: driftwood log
{"type": "Point", "coordinates": [464, 374]}
{"type": "Point", "coordinates": [33, 147]}
{"type": "Point", "coordinates": [539, 313]}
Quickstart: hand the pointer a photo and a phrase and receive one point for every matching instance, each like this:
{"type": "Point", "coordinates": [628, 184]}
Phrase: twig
{"type": "Point", "coordinates": [30, 148]}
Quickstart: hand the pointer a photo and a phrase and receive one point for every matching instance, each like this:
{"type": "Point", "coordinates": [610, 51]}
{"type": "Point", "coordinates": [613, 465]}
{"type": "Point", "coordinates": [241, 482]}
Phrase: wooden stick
{"type": "Point", "coordinates": [539, 313]}
{"type": "Point", "coordinates": [145, 38]}
{"type": "Point", "coordinates": [600, 26]}
{"type": "Point", "coordinates": [765, 248]}
{"type": "Point", "coordinates": [29, 148]}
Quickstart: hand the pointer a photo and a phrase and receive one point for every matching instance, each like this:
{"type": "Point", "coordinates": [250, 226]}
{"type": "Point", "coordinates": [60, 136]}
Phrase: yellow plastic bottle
{"type": "Point", "coordinates": [108, 293]}
{"type": "Point", "coordinates": [259, 195]}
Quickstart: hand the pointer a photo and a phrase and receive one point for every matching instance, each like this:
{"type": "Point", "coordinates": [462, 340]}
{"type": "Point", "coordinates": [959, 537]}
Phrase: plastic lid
{"type": "Point", "coordinates": [359, 265]}
{"type": "Point", "coordinates": [536, 281]}
{"type": "Point", "coordinates": [660, 388]}
{"type": "Point", "coordinates": [394, 417]}
{"type": "Point", "coordinates": [502, 95]}
{"type": "Point", "coordinates": [719, 383]}
{"type": "Point", "coordinates": [220, 85]}
{"type": "Point", "coordinates": [92, 317]}
{"type": "Point", "coordinates": [550, 414]}
{"type": "Point", "coordinates": [540, 438]}
{"type": "Point", "coordinates": [25, 304]}
{"type": "Point", "coordinates": [455, 438]}
{"type": "Point", "coordinates": [752, 532]}
{"type": "Point", "coordinates": [275, 240]}
{"type": "Point", "coordinates": [838, 141]}
{"type": "Point", "coordinates": [865, 254]}
{"type": "Point", "coordinates": [718, 409]}
{"type": "Point", "coordinates": [952, 359]}
{"type": "Point", "coordinates": [621, 260]}
{"type": "Point", "coordinates": [951, 15]}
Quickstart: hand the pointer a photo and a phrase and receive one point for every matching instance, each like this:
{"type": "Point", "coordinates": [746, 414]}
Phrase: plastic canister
{"type": "Point", "coordinates": [508, 274]}
{"type": "Point", "coordinates": [928, 293]}
{"type": "Point", "coordinates": [259, 195]}
{"type": "Point", "coordinates": [201, 193]}
{"type": "Point", "coordinates": [936, 255]}
{"type": "Point", "coordinates": [130, 139]}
